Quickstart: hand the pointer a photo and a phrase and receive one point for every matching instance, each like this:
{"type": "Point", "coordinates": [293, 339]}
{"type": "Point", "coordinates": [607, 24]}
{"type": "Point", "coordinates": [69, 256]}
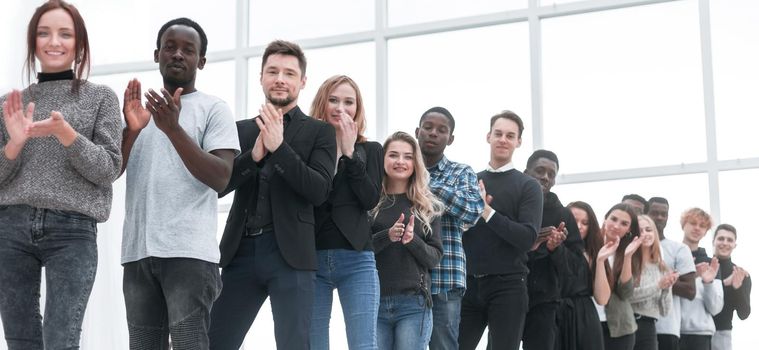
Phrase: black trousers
{"type": "Point", "coordinates": [498, 302]}
{"type": "Point", "coordinates": [645, 336]}
{"type": "Point", "coordinates": [695, 342]}
{"type": "Point", "coordinates": [258, 271]}
{"type": "Point", "coordinates": [540, 327]}
{"type": "Point", "coordinates": [625, 342]}
{"type": "Point", "coordinates": [668, 342]}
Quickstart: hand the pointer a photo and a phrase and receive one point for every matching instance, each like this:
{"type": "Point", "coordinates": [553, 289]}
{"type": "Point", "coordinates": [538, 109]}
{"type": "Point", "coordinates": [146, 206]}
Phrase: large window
{"type": "Point", "coordinates": [735, 34]}
{"type": "Point", "coordinates": [618, 94]}
{"type": "Point", "coordinates": [474, 73]}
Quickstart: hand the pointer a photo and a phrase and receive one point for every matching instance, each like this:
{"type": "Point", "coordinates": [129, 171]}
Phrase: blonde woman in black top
{"type": "Point", "coordinates": [407, 246]}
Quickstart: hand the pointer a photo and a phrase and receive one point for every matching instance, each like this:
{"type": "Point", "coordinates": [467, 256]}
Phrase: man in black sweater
{"type": "Point", "coordinates": [548, 258]}
{"type": "Point", "coordinates": [496, 246]}
{"type": "Point", "coordinates": [737, 287]}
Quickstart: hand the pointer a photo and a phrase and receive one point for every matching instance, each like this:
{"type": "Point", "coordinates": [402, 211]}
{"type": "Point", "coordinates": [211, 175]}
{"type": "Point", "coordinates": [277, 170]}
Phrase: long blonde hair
{"type": "Point", "coordinates": [425, 205]}
{"type": "Point", "coordinates": [655, 253]}
{"type": "Point", "coordinates": [321, 100]}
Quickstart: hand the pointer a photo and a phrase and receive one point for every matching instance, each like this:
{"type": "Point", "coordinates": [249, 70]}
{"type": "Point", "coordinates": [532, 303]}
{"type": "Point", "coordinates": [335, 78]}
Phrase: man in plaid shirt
{"type": "Point", "coordinates": [455, 185]}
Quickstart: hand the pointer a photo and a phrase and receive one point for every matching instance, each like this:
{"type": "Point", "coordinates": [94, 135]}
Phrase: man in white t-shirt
{"type": "Point", "coordinates": [678, 258]}
{"type": "Point", "coordinates": [178, 152]}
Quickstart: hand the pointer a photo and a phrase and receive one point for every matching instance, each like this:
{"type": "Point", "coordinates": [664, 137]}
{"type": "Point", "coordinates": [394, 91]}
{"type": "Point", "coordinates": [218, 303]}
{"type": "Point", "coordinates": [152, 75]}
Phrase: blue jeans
{"type": "Point", "coordinates": [446, 316]}
{"type": "Point", "coordinates": [354, 274]}
{"type": "Point", "coordinates": [404, 323]}
{"type": "Point", "coordinates": [169, 296]}
{"type": "Point", "coordinates": [65, 243]}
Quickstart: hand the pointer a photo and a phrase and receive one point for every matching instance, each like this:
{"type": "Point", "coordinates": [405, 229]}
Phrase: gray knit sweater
{"type": "Point", "coordinates": [77, 178]}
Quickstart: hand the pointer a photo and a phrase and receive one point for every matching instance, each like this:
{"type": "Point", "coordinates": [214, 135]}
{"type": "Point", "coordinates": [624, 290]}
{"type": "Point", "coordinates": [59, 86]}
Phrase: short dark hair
{"type": "Point", "coordinates": [282, 47]}
{"type": "Point", "coordinates": [661, 200]}
{"type": "Point", "coordinates": [184, 21]}
{"type": "Point", "coordinates": [726, 227]}
{"type": "Point", "coordinates": [442, 111]}
{"type": "Point", "coordinates": [510, 116]}
{"type": "Point", "coordinates": [542, 153]}
{"type": "Point", "coordinates": [637, 198]}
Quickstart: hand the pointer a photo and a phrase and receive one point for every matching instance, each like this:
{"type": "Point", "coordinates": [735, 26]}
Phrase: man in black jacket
{"type": "Point", "coordinates": [284, 170]}
{"type": "Point", "coordinates": [548, 257]}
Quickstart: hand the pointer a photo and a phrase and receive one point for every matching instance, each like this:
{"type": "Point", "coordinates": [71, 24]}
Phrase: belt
{"type": "Point", "coordinates": [258, 232]}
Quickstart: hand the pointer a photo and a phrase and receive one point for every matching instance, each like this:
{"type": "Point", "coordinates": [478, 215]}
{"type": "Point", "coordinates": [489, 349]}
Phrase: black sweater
{"type": "Point", "coordinates": [546, 267]}
{"type": "Point", "coordinates": [735, 299]}
{"type": "Point", "coordinates": [405, 268]}
{"type": "Point", "coordinates": [500, 245]}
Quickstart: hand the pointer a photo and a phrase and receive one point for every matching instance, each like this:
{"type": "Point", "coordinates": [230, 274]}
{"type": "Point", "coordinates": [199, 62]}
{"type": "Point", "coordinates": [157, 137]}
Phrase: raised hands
{"type": "Point", "coordinates": [608, 249]}
{"type": "Point", "coordinates": [668, 279]}
{"type": "Point", "coordinates": [271, 124]}
{"type": "Point", "coordinates": [633, 246]}
{"type": "Point", "coordinates": [136, 116]}
{"type": "Point", "coordinates": [347, 133]}
{"type": "Point", "coordinates": [164, 108]}
{"type": "Point", "coordinates": [736, 278]}
{"type": "Point", "coordinates": [400, 231]}
{"type": "Point", "coordinates": [708, 271]}
{"type": "Point", "coordinates": [16, 122]}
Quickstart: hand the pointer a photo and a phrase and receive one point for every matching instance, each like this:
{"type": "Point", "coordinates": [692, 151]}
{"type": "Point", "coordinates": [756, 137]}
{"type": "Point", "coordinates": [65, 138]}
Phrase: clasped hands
{"type": "Point", "coordinates": [270, 122]}
{"type": "Point", "coordinates": [21, 125]}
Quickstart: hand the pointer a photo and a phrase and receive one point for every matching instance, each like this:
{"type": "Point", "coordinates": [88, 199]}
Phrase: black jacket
{"type": "Point", "coordinates": [302, 175]}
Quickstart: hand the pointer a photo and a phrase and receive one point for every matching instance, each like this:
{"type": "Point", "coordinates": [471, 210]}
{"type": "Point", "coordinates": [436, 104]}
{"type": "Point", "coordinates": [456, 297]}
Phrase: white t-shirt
{"type": "Point", "coordinates": [170, 213]}
{"type": "Point", "coordinates": [678, 257]}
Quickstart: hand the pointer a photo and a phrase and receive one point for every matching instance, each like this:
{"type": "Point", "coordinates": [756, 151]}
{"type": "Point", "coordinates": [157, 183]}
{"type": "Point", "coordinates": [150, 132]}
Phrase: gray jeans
{"type": "Point", "coordinates": [65, 244]}
{"type": "Point", "coordinates": [170, 296]}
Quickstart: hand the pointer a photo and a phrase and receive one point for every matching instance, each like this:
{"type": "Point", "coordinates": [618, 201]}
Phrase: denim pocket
{"type": "Point", "coordinates": [70, 222]}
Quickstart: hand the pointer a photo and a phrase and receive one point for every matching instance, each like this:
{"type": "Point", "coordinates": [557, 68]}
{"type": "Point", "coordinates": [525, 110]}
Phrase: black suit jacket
{"type": "Point", "coordinates": [302, 169]}
{"type": "Point", "coordinates": [355, 190]}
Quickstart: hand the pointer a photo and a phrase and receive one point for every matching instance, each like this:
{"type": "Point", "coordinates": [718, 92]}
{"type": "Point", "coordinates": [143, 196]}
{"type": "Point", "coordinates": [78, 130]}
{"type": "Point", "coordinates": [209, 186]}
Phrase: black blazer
{"type": "Point", "coordinates": [355, 190]}
{"type": "Point", "coordinates": [302, 174]}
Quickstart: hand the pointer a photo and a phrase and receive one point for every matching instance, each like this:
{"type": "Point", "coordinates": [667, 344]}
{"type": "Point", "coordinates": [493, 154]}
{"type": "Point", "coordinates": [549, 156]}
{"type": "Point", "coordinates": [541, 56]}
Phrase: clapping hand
{"type": "Point", "coordinates": [347, 133]}
{"type": "Point", "coordinates": [165, 108]}
{"type": "Point", "coordinates": [668, 279]}
{"type": "Point", "coordinates": [735, 279]}
{"type": "Point", "coordinates": [608, 249]}
{"type": "Point", "coordinates": [557, 236]}
{"type": "Point", "coordinates": [708, 271]}
{"type": "Point", "coordinates": [408, 233]}
{"type": "Point", "coordinates": [271, 124]}
{"type": "Point", "coordinates": [136, 116]}
{"type": "Point", "coordinates": [633, 246]}
{"type": "Point", "coordinates": [16, 120]}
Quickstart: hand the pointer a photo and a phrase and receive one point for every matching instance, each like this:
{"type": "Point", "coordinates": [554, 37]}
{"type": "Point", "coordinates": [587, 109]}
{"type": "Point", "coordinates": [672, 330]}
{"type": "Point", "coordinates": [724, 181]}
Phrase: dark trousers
{"type": "Point", "coordinates": [645, 336]}
{"type": "Point", "coordinates": [65, 243]}
{"type": "Point", "coordinates": [169, 296]}
{"type": "Point", "coordinates": [498, 302]}
{"type": "Point", "coordinates": [625, 342]}
{"type": "Point", "coordinates": [258, 271]}
{"type": "Point", "coordinates": [540, 327]}
{"type": "Point", "coordinates": [695, 342]}
{"type": "Point", "coordinates": [668, 341]}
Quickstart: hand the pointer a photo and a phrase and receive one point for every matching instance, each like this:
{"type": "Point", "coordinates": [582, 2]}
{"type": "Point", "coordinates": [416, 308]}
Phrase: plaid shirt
{"type": "Point", "coordinates": [455, 185]}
